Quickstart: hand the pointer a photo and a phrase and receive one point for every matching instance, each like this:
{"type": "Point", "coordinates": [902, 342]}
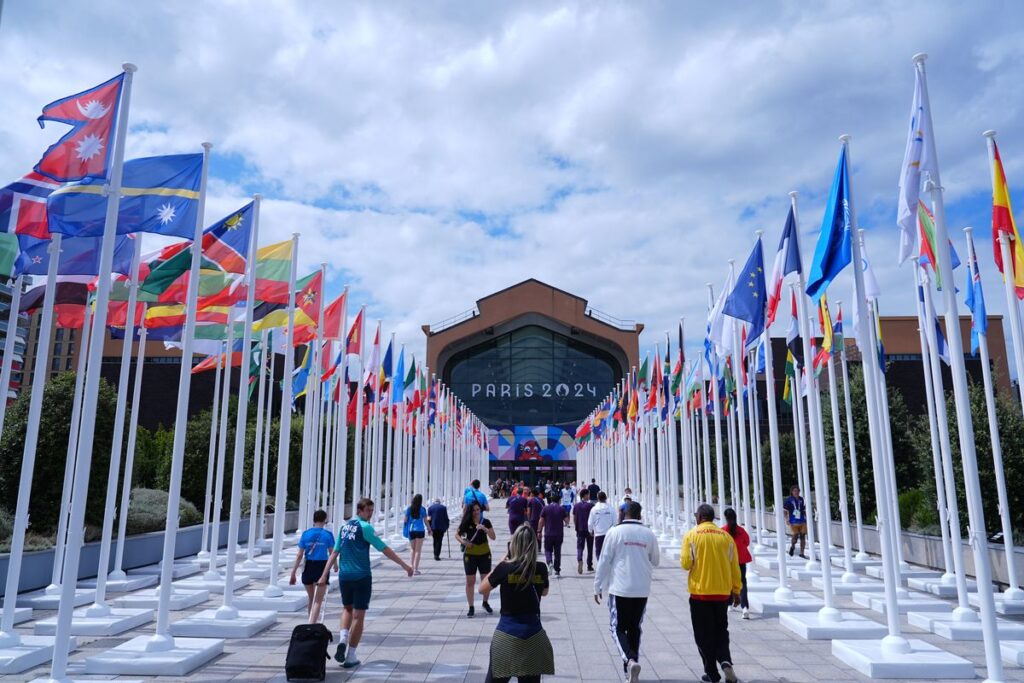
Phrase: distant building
{"type": "Point", "coordinates": [20, 339]}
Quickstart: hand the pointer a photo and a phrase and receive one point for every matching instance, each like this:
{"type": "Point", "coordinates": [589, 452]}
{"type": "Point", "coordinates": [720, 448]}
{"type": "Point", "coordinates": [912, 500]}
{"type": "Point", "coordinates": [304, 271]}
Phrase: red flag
{"type": "Point", "coordinates": [69, 315]}
{"type": "Point", "coordinates": [354, 341]}
{"type": "Point", "coordinates": [334, 326]}
{"type": "Point", "coordinates": [84, 151]}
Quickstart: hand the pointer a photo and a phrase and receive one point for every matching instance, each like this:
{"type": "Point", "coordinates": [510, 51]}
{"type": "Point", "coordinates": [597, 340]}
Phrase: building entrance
{"type": "Point", "coordinates": [534, 472]}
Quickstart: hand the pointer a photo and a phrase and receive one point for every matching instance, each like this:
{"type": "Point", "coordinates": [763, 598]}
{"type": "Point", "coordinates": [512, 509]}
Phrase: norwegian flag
{"type": "Point", "coordinates": [23, 206]}
{"type": "Point", "coordinates": [84, 151]}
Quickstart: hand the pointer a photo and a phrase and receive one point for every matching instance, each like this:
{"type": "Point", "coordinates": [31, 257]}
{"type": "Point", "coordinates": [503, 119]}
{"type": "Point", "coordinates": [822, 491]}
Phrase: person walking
{"type": "Point", "coordinates": [437, 525]}
{"type": "Point", "coordinates": [709, 554]}
{"type": "Point", "coordinates": [796, 511]}
{"type": "Point", "coordinates": [624, 571]}
{"type": "Point", "coordinates": [594, 490]}
{"type": "Point", "coordinates": [519, 647]}
{"type": "Point", "coordinates": [415, 529]}
{"type": "Point", "coordinates": [473, 494]}
{"type": "Point", "coordinates": [602, 518]}
{"type": "Point", "coordinates": [584, 539]}
{"type": "Point", "coordinates": [518, 506]}
{"type": "Point", "coordinates": [536, 507]}
{"type": "Point", "coordinates": [355, 578]}
{"type": "Point", "coordinates": [742, 539]}
{"type": "Point", "coordinates": [568, 500]}
{"type": "Point", "coordinates": [315, 546]}
{"type": "Point", "coordinates": [627, 498]}
{"type": "Point", "coordinates": [473, 535]}
{"type": "Point", "coordinates": [552, 533]}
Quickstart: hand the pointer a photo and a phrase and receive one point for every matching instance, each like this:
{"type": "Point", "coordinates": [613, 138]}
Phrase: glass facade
{"type": "Point", "coordinates": [532, 376]}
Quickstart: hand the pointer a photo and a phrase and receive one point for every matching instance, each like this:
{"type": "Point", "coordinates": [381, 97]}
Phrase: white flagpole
{"type": "Point", "coordinates": [284, 433]}
{"type": "Point", "coordinates": [965, 427]}
{"type": "Point", "coordinates": [257, 456]}
{"type": "Point", "coordinates": [341, 468]}
{"type": "Point", "coordinates": [8, 359]}
{"type": "Point", "coordinates": [227, 610]}
{"type": "Point", "coordinates": [357, 467]}
{"type": "Point", "coordinates": [83, 464]}
{"type": "Point", "coordinates": [849, 576]}
{"type": "Point", "coordinates": [8, 636]}
{"type": "Point", "coordinates": [851, 443]}
{"type": "Point", "coordinates": [1013, 591]}
{"type": "Point", "coordinates": [741, 426]}
{"type": "Point", "coordinates": [267, 423]}
{"type": "Point", "coordinates": [211, 463]}
{"type": "Point", "coordinates": [927, 359]}
{"type": "Point", "coordinates": [222, 435]}
{"type": "Point", "coordinates": [716, 400]}
{"type": "Point", "coordinates": [133, 424]}
{"type": "Point", "coordinates": [72, 454]}
{"type": "Point", "coordinates": [100, 608]}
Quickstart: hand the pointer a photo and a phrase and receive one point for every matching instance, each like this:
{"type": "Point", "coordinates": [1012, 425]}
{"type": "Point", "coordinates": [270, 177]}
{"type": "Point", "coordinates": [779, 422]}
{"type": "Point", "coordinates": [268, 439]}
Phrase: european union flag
{"type": "Point", "coordinates": [749, 297]}
{"type": "Point", "coordinates": [158, 194]}
{"type": "Point", "coordinates": [834, 251]}
{"type": "Point", "coordinates": [78, 256]}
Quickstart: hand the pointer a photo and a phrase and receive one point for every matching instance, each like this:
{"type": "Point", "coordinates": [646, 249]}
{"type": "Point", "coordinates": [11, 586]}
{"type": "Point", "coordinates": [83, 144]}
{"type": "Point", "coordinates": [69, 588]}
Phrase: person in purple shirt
{"type": "Point", "coordinates": [536, 501]}
{"type": "Point", "coordinates": [553, 517]}
{"type": "Point", "coordinates": [581, 516]}
{"type": "Point", "coordinates": [518, 508]}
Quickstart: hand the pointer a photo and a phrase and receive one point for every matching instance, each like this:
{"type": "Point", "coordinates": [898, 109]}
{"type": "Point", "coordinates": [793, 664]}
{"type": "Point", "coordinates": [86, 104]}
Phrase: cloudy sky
{"type": "Point", "coordinates": [432, 153]}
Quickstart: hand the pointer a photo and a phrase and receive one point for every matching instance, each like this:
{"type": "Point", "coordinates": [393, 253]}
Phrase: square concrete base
{"type": "Point", "coordinates": [180, 570]}
{"type": "Point", "coordinates": [858, 565]}
{"type": "Point", "coordinates": [257, 572]}
{"type": "Point", "coordinates": [43, 600]}
{"type": "Point", "coordinates": [939, 587]}
{"type": "Point", "coordinates": [942, 624]}
{"type": "Point", "coordinates": [923, 661]}
{"type": "Point", "coordinates": [808, 625]}
{"type": "Point", "coordinates": [766, 603]}
{"type": "Point", "coordinates": [765, 584]}
{"type": "Point", "coordinates": [22, 614]}
{"type": "Point", "coordinates": [840, 587]}
{"type": "Point", "coordinates": [914, 602]}
{"type": "Point", "coordinates": [802, 573]}
{"type": "Point", "coordinates": [29, 652]}
{"type": "Point", "coordinates": [132, 583]}
{"type": "Point", "coordinates": [1013, 651]}
{"type": "Point", "coordinates": [291, 601]}
{"type": "Point", "coordinates": [118, 621]}
{"type": "Point", "coordinates": [215, 586]}
{"type": "Point", "coordinates": [205, 624]}
{"type": "Point", "coordinates": [875, 572]}
{"type": "Point", "coordinates": [772, 561]}
{"type": "Point", "coordinates": [1003, 606]}
{"type": "Point", "coordinates": [131, 658]}
{"type": "Point", "coordinates": [181, 598]}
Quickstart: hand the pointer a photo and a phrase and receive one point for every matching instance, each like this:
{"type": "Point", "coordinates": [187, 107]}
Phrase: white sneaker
{"type": "Point", "coordinates": [633, 669]}
{"type": "Point", "coordinates": [746, 613]}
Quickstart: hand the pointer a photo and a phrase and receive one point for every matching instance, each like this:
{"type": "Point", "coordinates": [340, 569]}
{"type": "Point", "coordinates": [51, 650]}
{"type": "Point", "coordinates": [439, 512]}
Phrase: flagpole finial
{"type": "Point", "coordinates": [129, 68]}
{"type": "Point", "coordinates": [732, 261]}
{"type": "Point", "coordinates": [207, 146]}
{"type": "Point", "coordinates": [759, 233]}
{"type": "Point", "coordinates": [844, 138]}
{"type": "Point", "coordinates": [989, 133]}
{"type": "Point", "coordinates": [920, 57]}
{"type": "Point", "coordinates": [968, 230]}
{"type": "Point", "coordinates": [258, 196]}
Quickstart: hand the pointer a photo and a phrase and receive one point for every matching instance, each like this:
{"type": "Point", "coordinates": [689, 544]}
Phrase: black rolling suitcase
{"type": "Point", "coordinates": [307, 651]}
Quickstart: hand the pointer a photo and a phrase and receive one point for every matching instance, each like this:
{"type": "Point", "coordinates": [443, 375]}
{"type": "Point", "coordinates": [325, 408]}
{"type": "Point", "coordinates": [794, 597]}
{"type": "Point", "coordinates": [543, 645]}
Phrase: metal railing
{"type": "Point", "coordinates": [627, 325]}
{"type": "Point", "coordinates": [454, 320]}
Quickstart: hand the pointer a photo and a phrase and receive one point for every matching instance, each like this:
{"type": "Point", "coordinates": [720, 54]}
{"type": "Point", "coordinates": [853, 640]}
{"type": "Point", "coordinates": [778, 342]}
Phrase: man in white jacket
{"type": "Point", "coordinates": [602, 518]}
{"type": "Point", "coordinates": [630, 555]}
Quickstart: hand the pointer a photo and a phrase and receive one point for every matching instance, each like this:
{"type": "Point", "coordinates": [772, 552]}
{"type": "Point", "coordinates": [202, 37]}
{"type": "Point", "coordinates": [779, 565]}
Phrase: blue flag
{"type": "Point", "coordinates": [976, 303]}
{"type": "Point", "coordinates": [78, 256]}
{"type": "Point", "coordinates": [748, 298]}
{"type": "Point", "coordinates": [833, 251]}
{"type": "Point", "coordinates": [398, 383]}
{"type": "Point", "coordinates": [159, 195]}
{"type": "Point", "coordinates": [300, 376]}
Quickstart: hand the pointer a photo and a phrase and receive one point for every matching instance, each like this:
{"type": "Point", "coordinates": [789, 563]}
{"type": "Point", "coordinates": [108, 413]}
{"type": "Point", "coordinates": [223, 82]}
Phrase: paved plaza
{"type": "Point", "coordinates": [417, 630]}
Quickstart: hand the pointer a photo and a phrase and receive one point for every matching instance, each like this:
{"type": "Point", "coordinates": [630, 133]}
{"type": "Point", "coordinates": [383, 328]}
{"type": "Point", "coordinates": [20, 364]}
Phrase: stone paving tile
{"type": "Point", "coordinates": [417, 631]}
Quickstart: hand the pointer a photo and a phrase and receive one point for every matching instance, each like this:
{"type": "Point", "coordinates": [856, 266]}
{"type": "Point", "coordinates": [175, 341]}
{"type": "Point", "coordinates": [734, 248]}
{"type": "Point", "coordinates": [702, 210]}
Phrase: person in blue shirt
{"type": "Point", "coordinates": [473, 494]}
{"type": "Point", "coordinates": [437, 525]}
{"type": "Point", "coordinates": [415, 529]}
{"type": "Point", "coordinates": [796, 510]}
{"type": "Point", "coordinates": [314, 545]}
{"type": "Point", "coordinates": [568, 500]}
{"type": "Point", "coordinates": [355, 579]}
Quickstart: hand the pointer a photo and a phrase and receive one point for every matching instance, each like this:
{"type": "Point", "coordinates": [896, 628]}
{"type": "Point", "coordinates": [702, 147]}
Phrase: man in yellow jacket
{"type": "Point", "coordinates": [709, 554]}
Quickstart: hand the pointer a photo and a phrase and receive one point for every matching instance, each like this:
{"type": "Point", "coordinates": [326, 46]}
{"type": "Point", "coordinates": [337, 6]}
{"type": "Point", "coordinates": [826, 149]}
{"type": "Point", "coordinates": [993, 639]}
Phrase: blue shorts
{"type": "Point", "coordinates": [355, 593]}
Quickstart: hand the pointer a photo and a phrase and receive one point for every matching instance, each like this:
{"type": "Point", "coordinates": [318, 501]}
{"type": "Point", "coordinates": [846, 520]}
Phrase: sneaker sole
{"type": "Point", "coordinates": [351, 665]}
{"type": "Point", "coordinates": [339, 655]}
{"type": "Point", "coordinates": [729, 674]}
{"type": "Point", "coordinates": [634, 673]}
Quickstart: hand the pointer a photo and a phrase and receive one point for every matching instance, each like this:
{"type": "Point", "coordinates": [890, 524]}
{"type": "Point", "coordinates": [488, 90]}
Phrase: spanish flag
{"type": "Point", "coordinates": [1002, 221]}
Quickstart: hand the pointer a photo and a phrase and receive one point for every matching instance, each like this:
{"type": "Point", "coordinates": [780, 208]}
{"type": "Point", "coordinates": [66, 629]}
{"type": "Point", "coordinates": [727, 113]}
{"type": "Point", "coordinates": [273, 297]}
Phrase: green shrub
{"type": "Point", "coordinates": [148, 512]}
{"type": "Point", "coordinates": [6, 525]}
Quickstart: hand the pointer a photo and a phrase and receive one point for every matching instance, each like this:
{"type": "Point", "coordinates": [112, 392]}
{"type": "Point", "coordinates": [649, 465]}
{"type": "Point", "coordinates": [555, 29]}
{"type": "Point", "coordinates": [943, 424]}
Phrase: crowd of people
{"type": "Point", "coordinates": [612, 543]}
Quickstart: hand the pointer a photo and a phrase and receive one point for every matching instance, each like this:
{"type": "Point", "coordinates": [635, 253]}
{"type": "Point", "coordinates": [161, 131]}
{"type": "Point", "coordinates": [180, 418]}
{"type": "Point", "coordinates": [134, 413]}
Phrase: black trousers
{"type": "Point", "coordinates": [585, 539]}
{"type": "Point", "coordinates": [710, 620]}
{"type": "Point", "coordinates": [598, 544]}
{"type": "Point", "coordinates": [438, 541]}
{"type": "Point", "coordinates": [521, 679]}
{"type": "Point", "coordinates": [743, 592]}
{"type": "Point", "coordinates": [626, 617]}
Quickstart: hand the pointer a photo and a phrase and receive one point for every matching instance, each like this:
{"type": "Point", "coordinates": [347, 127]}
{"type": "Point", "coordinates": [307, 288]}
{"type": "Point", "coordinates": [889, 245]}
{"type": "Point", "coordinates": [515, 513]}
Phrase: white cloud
{"type": "Point", "coordinates": [432, 154]}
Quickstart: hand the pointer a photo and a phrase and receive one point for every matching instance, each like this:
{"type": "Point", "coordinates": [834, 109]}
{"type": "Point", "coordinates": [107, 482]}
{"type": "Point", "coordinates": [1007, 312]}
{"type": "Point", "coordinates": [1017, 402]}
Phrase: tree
{"type": "Point", "coordinates": [51, 452]}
